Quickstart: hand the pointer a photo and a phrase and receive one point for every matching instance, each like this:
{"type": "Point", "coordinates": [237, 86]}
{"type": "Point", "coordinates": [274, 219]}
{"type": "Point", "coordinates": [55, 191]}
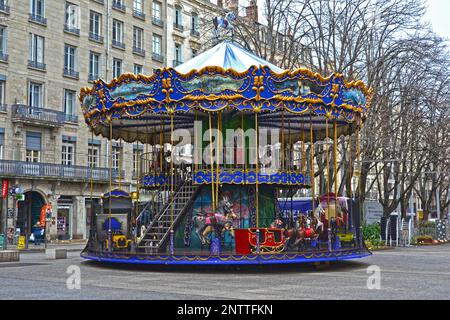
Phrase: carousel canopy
{"type": "Point", "coordinates": [226, 55]}
{"type": "Point", "coordinates": [225, 79]}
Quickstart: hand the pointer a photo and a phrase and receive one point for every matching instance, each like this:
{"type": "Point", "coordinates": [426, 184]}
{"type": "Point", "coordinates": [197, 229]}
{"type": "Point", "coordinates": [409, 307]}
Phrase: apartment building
{"type": "Point", "coordinates": [49, 50]}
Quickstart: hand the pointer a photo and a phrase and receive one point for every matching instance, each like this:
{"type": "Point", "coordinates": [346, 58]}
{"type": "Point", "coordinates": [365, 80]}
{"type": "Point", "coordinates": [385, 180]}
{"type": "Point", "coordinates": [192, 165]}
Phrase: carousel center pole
{"type": "Point", "coordinates": [328, 183]}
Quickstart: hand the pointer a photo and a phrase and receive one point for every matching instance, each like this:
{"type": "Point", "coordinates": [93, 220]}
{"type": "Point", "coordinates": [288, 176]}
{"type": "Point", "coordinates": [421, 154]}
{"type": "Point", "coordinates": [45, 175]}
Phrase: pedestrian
{"type": "Point", "coordinates": [37, 233]}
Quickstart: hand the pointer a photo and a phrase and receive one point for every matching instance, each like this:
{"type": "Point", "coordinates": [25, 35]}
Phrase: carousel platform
{"type": "Point", "coordinates": [199, 258]}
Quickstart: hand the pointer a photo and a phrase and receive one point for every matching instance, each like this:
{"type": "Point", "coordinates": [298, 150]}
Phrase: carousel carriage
{"type": "Point", "coordinates": [221, 206]}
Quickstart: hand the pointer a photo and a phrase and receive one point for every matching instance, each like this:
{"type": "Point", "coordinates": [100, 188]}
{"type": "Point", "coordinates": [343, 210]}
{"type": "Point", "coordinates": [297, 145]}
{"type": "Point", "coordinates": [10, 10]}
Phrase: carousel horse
{"type": "Point", "coordinates": [307, 228]}
{"type": "Point", "coordinates": [224, 23]}
{"type": "Point", "coordinates": [220, 221]}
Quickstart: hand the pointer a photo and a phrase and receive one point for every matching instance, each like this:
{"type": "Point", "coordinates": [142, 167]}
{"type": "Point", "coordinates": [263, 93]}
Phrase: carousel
{"type": "Point", "coordinates": [227, 140]}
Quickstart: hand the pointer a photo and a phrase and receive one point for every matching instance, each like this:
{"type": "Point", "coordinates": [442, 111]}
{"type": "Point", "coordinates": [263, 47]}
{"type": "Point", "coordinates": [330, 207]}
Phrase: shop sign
{"type": "Point", "coordinates": [5, 189]}
{"type": "Point", "coordinates": [46, 213]}
{"type": "Point", "coordinates": [10, 213]}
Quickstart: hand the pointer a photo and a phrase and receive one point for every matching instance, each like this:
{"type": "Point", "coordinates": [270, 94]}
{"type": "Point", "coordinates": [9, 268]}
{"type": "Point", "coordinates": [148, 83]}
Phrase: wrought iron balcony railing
{"type": "Point", "coordinates": [139, 14]}
{"type": "Point", "coordinates": [71, 73]}
{"type": "Point", "coordinates": [36, 65]}
{"type": "Point", "coordinates": [157, 22]}
{"type": "Point", "coordinates": [178, 27]}
{"type": "Point", "coordinates": [4, 56]}
{"type": "Point", "coordinates": [139, 51]}
{"type": "Point", "coordinates": [93, 77]}
{"type": "Point", "coordinates": [54, 171]}
{"type": "Point", "coordinates": [157, 57]}
{"type": "Point", "coordinates": [176, 62]}
{"type": "Point", "coordinates": [119, 5]}
{"type": "Point", "coordinates": [37, 18]}
{"type": "Point", "coordinates": [118, 44]}
{"type": "Point", "coordinates": [40, 116]}
{"type": "Point", "coordinates": [71, 29]}
{"type": "Point", "coordinates": [4, 7]}
{"type": "Point", "coordinates": [95, 37]}
{"type": "Point", "coordinates": [195, 33]}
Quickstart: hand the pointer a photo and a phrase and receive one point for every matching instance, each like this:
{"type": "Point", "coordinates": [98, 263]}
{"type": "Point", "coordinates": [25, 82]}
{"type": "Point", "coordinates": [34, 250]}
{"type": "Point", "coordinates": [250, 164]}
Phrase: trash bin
{"type": "Point", "coordinates": [2, 242]}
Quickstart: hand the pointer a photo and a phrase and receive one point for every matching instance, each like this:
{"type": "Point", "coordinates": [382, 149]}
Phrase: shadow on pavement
{"type": "Point", "coordinates": [337, 266]}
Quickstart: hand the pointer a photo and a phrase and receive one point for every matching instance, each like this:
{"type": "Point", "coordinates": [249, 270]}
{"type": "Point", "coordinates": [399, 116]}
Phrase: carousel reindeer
{"type": "Point", "coordinates": [224, 23]}
{"type": "Point", "coordinates": [220, 221]}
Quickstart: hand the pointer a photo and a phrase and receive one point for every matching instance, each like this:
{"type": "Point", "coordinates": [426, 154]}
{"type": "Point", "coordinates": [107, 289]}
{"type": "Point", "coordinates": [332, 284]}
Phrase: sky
{"type": "Point", "coordinates": [439, 15]}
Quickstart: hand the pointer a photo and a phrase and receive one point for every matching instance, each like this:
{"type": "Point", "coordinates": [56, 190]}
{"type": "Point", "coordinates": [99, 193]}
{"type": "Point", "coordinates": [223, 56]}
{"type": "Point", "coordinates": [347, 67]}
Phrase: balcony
{"type": "Point", "coordinates": [195, 33]}
{"type": "Point", "coordinates": [4, 8]}
{"type": "Point", "coordinates": [36, 65]}
{"type": "Point", "coordinates": [100, 1]}
{"type": "Point", "coordinates": [176, 63]}
{"type": "Point", "coordinates": [157, 22]}
{"type": "Point", "coordinates": [139, 14]}
{"type": "Point", "coordinates": [93, 77]}
{"type": "Point", "coordinates": [37, 19]}
{"type": "Point", "coordinates": [95, 37]}
{"type": "Point", "coordinates": [4, 57]}
{"type": "Point", "coordinates": [178, 27]}
{"type": "Point", "coordinates": [157, 57]}
{"type": "Point", "coordinates": [51, 171]}
{"type": "Point", "coordinates": [71, 29]}
{"type": "Point", "coordinates": [71, 73]}
{"type": "Point", "coordinates": [40, 116]}
{"type": "Point", "coordinates": [118, 44]}
{"type": "Point", "coordinates": [139, 51]}
{"type": "Point", "coordinates": [118, 5]}
{"type": "Point", "coordinates": [3, 108]}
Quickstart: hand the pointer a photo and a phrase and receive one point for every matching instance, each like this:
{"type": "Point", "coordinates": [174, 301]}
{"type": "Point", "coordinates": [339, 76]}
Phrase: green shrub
{"type": "Point", "coordinates": [372, 232]}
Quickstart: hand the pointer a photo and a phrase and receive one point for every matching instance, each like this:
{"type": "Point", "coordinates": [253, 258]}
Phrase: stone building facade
{"type": "Point", "coordinates": [49, 50]}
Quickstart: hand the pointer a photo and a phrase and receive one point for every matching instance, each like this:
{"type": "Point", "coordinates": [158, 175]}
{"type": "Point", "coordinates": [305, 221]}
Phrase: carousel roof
{"type": "Point", "coordinates": [225, 80]}
{"type": "Point", "coordinates": [226, 55]}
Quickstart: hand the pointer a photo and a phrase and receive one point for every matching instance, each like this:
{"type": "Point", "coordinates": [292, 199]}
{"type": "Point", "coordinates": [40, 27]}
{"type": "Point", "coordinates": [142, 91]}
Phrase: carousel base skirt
{"type": "Point", "coordinates": [262, 259]}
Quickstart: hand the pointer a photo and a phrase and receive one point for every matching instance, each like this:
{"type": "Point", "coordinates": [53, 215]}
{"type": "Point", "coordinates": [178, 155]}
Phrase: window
{"type": "Point", "coordinates": [156, 45]}
{"type": "Point", "coordinates": [37, 8]}
{"type": "Point", "coordinates": [36, 50]}
{"type": "Point", "coordinates": [194, 53]}
{"type": "Point", "coordinates": [70, 58]}
{"type": "Point", "coordinates": [95, 24]}
{"type": "Point", "coordinates": [35, 95]}
{"type": "Point", "coordinates": [137, 69]}
{"type": "Point", "coordinates": [3, 42]}
{"type": "Point", "coordinates": [137, 6]}
{"type": "Point", "coordinates": [2, 92]}
{"type": "Point", "coordinates": [117, 32]}
{"type": "Point", "coordinates": [156, 10]}
{"type": "Point", "coordinates": [116, 156]}
{"type": "Point", "coordinates": [137, 154]}
{"type": "Point", "coordinates": [72, 16]}
{"type": "Point", "coordinates": [138, 38]}
{"type": "Point", "coordinates": [178, 17]}
{"type": "Point", "coordinates": [69, 102]}
{"type": "Point", "coordinates": [194, 22]}
{"type": "Point", "coordinates": [68, 153]}
{"type": "Point", "coordinates": [177, 54]}
{"type": "Point", "coordinates": [2, 142]}
{"type": "Point", "coordinates": [117, 67]}
{"type": "Point", "coordinates": [33, 147]}
{"type": "Point", "coordinates": [94, 62]}
{"type": "Point", "coordinates": [93, 155]}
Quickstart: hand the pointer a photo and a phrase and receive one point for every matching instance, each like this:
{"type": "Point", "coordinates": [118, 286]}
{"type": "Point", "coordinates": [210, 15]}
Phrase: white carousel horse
{"type": "Point", "coordinates": [224, 23]}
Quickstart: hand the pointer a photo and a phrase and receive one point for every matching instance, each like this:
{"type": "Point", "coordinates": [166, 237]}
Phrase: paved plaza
{"type": "Point", "coordinates": [406, 273]}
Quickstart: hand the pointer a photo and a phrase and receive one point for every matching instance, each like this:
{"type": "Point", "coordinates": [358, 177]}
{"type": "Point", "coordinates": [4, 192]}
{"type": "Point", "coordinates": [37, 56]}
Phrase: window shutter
{"type": "Point", "coordinates": [34, 141]}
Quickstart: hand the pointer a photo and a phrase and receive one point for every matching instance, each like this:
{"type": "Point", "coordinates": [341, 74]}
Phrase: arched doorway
{"type": "Point", "coordinates": [29, 211]}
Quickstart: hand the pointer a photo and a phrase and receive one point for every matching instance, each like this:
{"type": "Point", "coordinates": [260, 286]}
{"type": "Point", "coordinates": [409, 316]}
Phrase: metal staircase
{"type": "Point", "coordinates": [157, 234]}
